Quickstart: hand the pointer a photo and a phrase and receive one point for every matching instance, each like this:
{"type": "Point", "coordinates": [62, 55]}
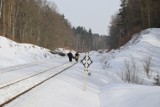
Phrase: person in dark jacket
{"type": "Point", "coordinates": [76, 56]}
{"type": "Point", "coordinates": [70, 56]}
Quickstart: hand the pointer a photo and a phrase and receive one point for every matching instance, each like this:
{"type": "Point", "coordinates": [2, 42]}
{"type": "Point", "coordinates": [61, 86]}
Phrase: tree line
{"type": "Point", "coordinates": [86, 40]}
{"type": "Point", "coordinates": [36, 22]}
{"type": "Point", "coordinates": [39, 22]}
{"type": "Point", "coordinates": [133, 16]}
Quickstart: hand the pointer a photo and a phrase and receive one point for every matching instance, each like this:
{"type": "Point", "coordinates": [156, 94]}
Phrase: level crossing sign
{"type": "Point", "coordinates": [86, 61]}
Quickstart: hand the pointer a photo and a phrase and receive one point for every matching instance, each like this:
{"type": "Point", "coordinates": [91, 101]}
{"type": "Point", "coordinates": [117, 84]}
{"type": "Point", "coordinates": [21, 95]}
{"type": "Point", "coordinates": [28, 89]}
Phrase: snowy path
{"type": "Point", "coordinates": [61, 91]}
{"type": "Point", "coordinates": [67, 89]}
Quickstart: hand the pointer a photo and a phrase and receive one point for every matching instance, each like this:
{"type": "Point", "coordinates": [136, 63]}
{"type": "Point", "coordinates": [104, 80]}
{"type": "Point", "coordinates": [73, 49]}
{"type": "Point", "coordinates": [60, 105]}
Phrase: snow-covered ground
{"type": "Point", "coordinates": [105, 86]}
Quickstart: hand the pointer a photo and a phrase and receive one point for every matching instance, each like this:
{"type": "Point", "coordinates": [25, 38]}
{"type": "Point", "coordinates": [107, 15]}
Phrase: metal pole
{"type": "Point", "coordinates": [85, 71]}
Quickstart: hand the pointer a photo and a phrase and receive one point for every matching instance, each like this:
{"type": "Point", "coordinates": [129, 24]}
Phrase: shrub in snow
{"type": "Point", "coordinates": [59, 53]}
{"type": "Point", "coordinates": [130, 73]}
{"type": "Point", "coordinates": [62, 54]}
{"type": "Point", "coordinates": [100, 51]}
{"type": "Point", "coordinates": [147, 67]}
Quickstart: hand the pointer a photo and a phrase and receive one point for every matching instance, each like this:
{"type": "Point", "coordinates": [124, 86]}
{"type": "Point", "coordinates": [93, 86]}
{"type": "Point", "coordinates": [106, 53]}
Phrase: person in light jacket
{"type": "Point", "coordinates": [76, 56]}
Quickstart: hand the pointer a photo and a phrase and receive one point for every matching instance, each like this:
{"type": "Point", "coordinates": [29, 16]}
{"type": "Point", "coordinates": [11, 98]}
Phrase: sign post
{"type": "Point", "coordinates": [86, 61]}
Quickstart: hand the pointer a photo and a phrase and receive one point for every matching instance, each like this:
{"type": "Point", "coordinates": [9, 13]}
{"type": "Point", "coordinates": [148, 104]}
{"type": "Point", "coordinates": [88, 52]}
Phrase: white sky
{"type": "Point", "coordinates": [94, 14]}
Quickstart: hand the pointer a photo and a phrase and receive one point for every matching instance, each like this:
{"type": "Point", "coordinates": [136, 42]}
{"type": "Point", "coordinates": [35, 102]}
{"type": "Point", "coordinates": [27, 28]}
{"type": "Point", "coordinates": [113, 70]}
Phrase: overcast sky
{"type": "Point", "coordinates": [94, 14]}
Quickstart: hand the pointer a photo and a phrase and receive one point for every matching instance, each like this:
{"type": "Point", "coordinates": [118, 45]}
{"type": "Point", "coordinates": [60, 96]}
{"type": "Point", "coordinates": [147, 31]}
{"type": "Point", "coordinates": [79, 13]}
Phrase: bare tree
{"type": "Point", "coordinates": [1, 9]}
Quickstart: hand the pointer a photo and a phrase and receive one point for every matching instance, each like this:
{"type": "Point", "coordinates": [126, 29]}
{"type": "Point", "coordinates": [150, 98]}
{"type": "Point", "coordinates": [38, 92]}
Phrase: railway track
{"type": "Point", "coordinates": [19, 67]}
{"type": "Point", "coordinates": [27, 77]}
{"type": "Point", "coordinates": [17, 88]}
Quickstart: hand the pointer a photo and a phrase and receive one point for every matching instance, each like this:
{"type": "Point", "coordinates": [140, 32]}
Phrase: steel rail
{"type": "Point", "coordinates": [15, 97]}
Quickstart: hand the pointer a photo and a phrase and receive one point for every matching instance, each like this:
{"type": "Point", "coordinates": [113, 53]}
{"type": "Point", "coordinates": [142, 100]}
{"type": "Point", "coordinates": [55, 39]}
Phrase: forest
{"type": "Point", "coordinates": [39, 22]}
{"type": "Point", "coordinates": [133, 17]}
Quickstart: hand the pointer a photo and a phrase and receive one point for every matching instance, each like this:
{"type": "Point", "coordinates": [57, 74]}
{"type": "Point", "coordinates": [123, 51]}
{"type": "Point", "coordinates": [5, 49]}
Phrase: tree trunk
{"type": "Point", "coordinates": [4, 17]}
{"type": "Point", "coordinates": [1, 8]}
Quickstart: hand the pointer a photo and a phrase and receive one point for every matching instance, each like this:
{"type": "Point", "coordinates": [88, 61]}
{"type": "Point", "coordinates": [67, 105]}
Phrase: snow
{"type": "Point", "coordinates": [105, 87]}
{"type": "Point", "coordinates": [126, 95]}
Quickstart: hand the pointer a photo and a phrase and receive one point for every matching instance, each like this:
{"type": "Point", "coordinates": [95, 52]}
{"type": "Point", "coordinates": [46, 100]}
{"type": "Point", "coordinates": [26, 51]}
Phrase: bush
{"type": "Point", "coordinates": [59, 53]}
{"type": "Point", "coordinates": [147, 67]}
{"type": "Point", "coordinates": [129, 74]}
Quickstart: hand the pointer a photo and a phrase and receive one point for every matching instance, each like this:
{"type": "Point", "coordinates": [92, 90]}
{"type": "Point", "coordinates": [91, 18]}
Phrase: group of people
{"type": "Point", "coordinates": [70, 56]}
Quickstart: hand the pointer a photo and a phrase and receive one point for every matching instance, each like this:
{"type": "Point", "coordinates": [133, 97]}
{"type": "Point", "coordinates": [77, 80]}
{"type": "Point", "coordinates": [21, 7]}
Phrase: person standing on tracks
{"type": "Point", "coordinates": [76, 56]}
{"type": "Point", "coordinates": [70, 56]}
